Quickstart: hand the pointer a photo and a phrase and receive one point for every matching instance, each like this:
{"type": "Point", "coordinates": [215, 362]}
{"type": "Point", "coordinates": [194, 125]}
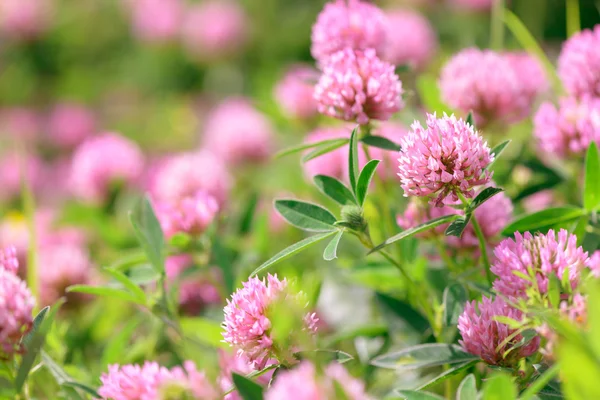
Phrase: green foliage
{"type": "Point", "coordinates": [247, 389]}
{"type": "Point", "coordinates": [423, 356]}
{"type": "Point", "coordinates": [306, 216]}
{"type": "Point", "coordinates": [334, 189]}
{"type": "Point", "coordinates": [149, 233]}
{"type": "Point", "coordinates": [591, 186]}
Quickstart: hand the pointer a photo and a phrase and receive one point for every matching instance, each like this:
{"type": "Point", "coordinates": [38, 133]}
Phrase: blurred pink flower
{"type": "Point", "coordinates": [13, 168]}
{"type": "Point", "coordinates": [185, 174]}
{"type": "Point", "coordinates": [388, 168]}
{"type": "Point", "coordinates": [445, 157]}
{"type": "Point", "coordinates": [20, 123]}
{"type": "Point", "coordinates": [61, 266]}
{"type": "Point", "coordinates": [501, 88]}
{"type": "Point", "coordinates": [25, 19]}
{"type": "Point", "coordinates": [155, 21]}
{"type": "Point", "coordinates": [190, 215]}
{"type": "Point", "coordinates": [482, 334]}
{"type": "Point", "coordinates": [358, 86]}
{"type": "Point", "coordinates": [8, 259]}
{"type": "Point", "coordinates": [69, 124]}
{"type": "Point", "coordinates": [214, 29]}
{"type": "Point", "coordinates": [568, 129]}
{"type": "Point", "coordinates": [247, 326]}
{"type": "Point", "coordinates": [303, 383]}
{"type": "Point", "coordinates": [472, 5]}
{"type": "Point", "coordinates": [133, 382]}
{"type": "Point", "coordinates": [353, 24]}
{"type": "Point", "coordinates": [411, 39]}
{"type": "Point", "coordinates": [193, 383]}
{"type": "Point", "coordinates": [294, 92]}
{"type": "Point", "coordinates": [538, 201]}
{"type": "Point", "coordinates": [579, 63]}
{"type": "Point", "coordinates": [197, 290]}
{"type": "Point", "coordinates": [542, 255]}
{"type": "Point", "coordinates": [239, 364]}
{"type": "Point", "coordinates": [102, 161]}
{"type": "Point", "coordinates": [16, 307]}
{"type": "Point", "coordinates": [236, 132]}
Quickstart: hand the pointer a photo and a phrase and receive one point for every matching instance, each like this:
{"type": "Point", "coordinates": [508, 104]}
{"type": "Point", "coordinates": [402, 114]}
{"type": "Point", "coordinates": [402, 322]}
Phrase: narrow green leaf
{"type": "Point", "coordinates": [37, 321]}
{"type": "Point", "coordinates": [380, 142]}
{"type": "Point", "coordinates": [415, 395]}
{"type": "Point", "coordinates": [554, 291]}
{"type": "Point", "coordinates": [247, 389]}
{"type": "Point", "coordinates": [330, 252]}
{"type": "Point", "coordinates": [467, 390]}
{"type": "Point", "coordinates": [455, 297]}
{"type": "Point", "coordinates": [305, 146]}
{"type": "Point", "coordinates": [327, 148]}
{"type": "Point", "coordinates": [364, 180]}
{"type": "Point", "coordinates": [34, 342]}
{"type": "Point", "coordinates": [353, 160]}
{"type": "Point", "coordinates": [137, 292]}
{"type": "Point", "coordinates": [496, 151]}
{"type": "Point", "coordinates": [544, 219]}
{"type": "Point", "coordinates": [325, 355]}
{"type": "Point", "coordinates": [470, 120]}
{"type": "Point", "coordinates": [422, 356]}
{"type": "Point", "coordinates": [398, 309]}
{"type": "Point", "coordinates": [448, 373]}
{"type": "Point", "coordinates": [105, 291]}
{"type": "Point", "coordinates": [413, 231]}
{"type": "Point", "coordinates": [60, 376]}
{"type": "Point", "coordinates": [149, 233]}
{"type": "Point", "coordinates": [483, 196]}
{"type": "Point", "coordinates": [457, 227]}
{"type": "Point", "coordinates": [291, 250]}
{"type": "Point", "coordinates": [306, 216]}
{"type": "Point", "coordinates": [334, 189]}
{"type": "Point", "coordinates": [117, 345]}
{"type": "Point", "coordinates": [78, 385]}
{"type": "Point", "coordinates": [528, 42]}
{"type": "Point", "coordinates": [591, 187]}
{"type": "Point", "coordinates": [499, 387]}
{"type": "Point", "coordinates": [248, 214]}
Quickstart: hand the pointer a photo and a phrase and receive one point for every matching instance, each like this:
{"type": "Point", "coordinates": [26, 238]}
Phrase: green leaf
{"type": "Point", "coordinates": [455, 297]}
{"type": "Point", "coordinates": [117, 345]}
{"type": "Point", "coordinates": [448, 373]}
{"type": "Point", "coordinates": [467, 390]}
{"type": "Point", "coordinates": [39, 318]}
{"type": "Point", "coordinates": [457, 227]}
{"type": "Point", "coordinates": [483, 196]}
{"type": "Point", "coordinates": [413, 231]}
{"type": "Point", "coordinates": [78, 385]}
{"type": "Point", "coordinates": [424, 356]}
{"type": "Point", "coordinates": [305, 146]}
{"type": "Point", "coordinates": [149, 233]}
{"type": "Point", "coordinates": [203, 330]}
{"type": "Point", "coordinates": [380, 142]}
{"type": "Point", "coordinates": [364, 180]}
{"type": "Point", "coordinates": [248, 214]}
{"type": "Point", "coordinates": [528, 42]}
{"type": "Point", "coordinates": [470, 120]}
{"type": "Point", "coordinates": [554, 291]}
{"type": "Point", "coordinates": [327, 148]}
{"type": "Point", "coordinates": [325, 355]}
{"type": "Point", "coordinates": [591, 187]}
{"type": "Point", "coordinates": [353, 160]}
{"type": "Point", "coordinates": [391, 306]}
{"type": "Point", "coordinates": [593, 317]}
{"type": "Point", "coordinates": [291, 250]}
{"type": "Point", "coordinates": [306, 216]}
{"type": "Point", "coordinates": [180, 240]}
{"type": "Point", "coordinates": [33, 342]}
{"type": "Point", "coordinates": [246, 388]}
{"type": "Point", "coordinates": [415, 395]}
{"type": "Point", "coordinates": [579, 370]}
{"type": "Point", "coordinates": [334, 189]}
{"type": "Point", "coordinates": [60, 376]}
{"type": "Point", "coordinates": [115, 293]}
{"type": "Point", "coordinates": [540, 383]}
{"type": "Point", "coordinates": [135, 290]}
{"type": "Point", "coordinates": [368, 331]}
{"type": "Point", "coordinates": [429, 92]}
{"type": "Point", "coordinates": [499, 387]}
{"type": "Point", "coordinates": [496, 151]}
{"type": "Point", "coordinates": [544, 219]}
{"type": "Point", "coordinates": [330, 252]}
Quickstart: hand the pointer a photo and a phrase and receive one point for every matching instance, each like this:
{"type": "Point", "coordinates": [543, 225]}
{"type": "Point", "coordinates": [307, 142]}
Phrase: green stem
{"type": "Point", "coordinates": [481, 238]}
{"type": "Point", "coordinates": [497, 25]}
{"type": "Point", "coordinates": [573, 19]}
